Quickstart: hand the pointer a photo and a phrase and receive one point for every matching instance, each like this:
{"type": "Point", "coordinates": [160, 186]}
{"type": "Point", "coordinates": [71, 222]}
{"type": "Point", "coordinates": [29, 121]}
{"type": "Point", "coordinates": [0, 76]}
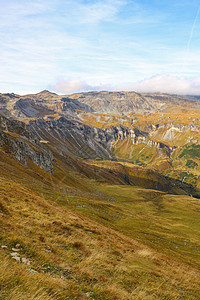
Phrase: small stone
{"type": "Point", "coordinates": [4, 246]}
{"type": "Point", "coordinates": [15, 249]}
{"type": "Point", "coordinates": [48, 250]}
{"type": "Point", "coordinates": [88, 294]}
{"type": "Point", "coordinates": [13, 254]}
{"type": "Point", "coordinates": [26, 261]}
{"type": "Point", "coordinates": [17, 245]}
{"type": "Point", "coordinates": [17, 258]}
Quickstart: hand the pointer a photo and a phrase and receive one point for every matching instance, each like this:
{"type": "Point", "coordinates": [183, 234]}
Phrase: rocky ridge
{"type": "Point", "coordinates": [16, 139]}
{"type": "Point", "coordinates": [144, 129]}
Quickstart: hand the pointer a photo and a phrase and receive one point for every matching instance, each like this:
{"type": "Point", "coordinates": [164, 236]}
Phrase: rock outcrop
{"type": "Point", "coordinates": [90, 125]}
{"type": "Point", "coordinates": [17, 140]}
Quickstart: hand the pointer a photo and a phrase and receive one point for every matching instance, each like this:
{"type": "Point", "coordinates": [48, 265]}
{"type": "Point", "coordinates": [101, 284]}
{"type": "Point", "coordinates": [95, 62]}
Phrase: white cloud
{"type": "Point", "coordinates": [70, 86]}
{"type": "Point", "coordinates": [166, 84]}
{"type": "Point", "coordinates": [160, 83]}
{"type": "Point", "coordinates": [76, 85]}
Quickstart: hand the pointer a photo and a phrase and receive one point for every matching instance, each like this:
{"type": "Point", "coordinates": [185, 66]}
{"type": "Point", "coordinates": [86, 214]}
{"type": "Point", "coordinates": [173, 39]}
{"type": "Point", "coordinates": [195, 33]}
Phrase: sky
{"type": "Point", "coordinates": [68, 46]}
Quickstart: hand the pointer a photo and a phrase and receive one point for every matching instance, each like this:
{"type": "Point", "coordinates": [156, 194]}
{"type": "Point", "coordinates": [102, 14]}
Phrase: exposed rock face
{"type": "Point", "coordinates": [60, 121]}
{"type": "Point", "coordinates": [16, 139]}
{"type": "Point", "coordinates": [69, 136]}
{"type": "Point", "coordinates": [76, 138]}
{"type": "Point", "coordinates": [17, 127]}
{"type": "Point", "coordinates": [122, 103]}
{"type": "Point", "coordinates": [118, 102]}
{"type": "Point", "coordinates": [39, 105]}
{"type": "Point", "coordinates": [22, 151]}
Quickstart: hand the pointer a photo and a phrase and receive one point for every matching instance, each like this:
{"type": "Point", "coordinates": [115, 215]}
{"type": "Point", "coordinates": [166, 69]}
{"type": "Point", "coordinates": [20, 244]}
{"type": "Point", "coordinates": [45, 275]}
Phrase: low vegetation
{"type": "Point", "coordinates": [94, 239]}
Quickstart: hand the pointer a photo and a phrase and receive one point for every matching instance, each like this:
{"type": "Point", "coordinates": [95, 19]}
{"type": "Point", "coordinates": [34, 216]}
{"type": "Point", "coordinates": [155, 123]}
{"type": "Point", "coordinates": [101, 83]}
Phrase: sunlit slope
{"type": "Point", "coordinates": [113, 216]}
{"type": "Point", "coordinates": [93, 239]}
{"type": "Point", "coordinates": [145, 129]}
{"type": "Point", "coordinates": [164, 141]}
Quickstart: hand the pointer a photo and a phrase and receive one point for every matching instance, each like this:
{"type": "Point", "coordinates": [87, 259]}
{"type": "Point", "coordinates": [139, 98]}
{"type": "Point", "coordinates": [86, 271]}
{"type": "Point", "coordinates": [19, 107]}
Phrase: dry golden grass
{"type": "Point", "coordinates": [79, 230]}
{"type": "Point", "coordinates": [75, 257]}
{"type": "Point", "coordinates": [174, 114]}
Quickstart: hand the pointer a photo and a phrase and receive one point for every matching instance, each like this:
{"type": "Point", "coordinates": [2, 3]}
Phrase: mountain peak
{"type": "Point", "coordinates": [46, 92]}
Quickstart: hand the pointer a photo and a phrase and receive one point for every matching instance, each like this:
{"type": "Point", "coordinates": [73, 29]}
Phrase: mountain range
{"type": "Point", "coordinates": [102, 183]}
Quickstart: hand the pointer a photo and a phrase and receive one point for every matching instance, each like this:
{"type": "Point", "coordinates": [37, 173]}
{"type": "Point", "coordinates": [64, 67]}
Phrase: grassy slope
{"type": "Point", "coordinates": [179, 128]}
{"type": "Point", "coordinates": [94, 239]}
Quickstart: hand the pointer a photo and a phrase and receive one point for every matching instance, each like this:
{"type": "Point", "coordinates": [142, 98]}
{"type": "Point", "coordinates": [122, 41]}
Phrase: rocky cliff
{"type": "Point", "coordinates": [153, 130]}
{"type": "Point", "coordinates": [16, 139]}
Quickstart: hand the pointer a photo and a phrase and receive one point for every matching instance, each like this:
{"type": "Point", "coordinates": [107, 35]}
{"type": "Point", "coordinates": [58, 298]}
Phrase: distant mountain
{"type": "Point", "coordinates": [143, 129]}
{"type": "Point", "coordinates": [121, 103]}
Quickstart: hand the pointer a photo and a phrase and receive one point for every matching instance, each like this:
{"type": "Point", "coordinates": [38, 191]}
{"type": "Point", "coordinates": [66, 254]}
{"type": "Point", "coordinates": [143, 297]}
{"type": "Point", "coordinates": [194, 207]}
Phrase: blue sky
{"type": "Point", "coordinates": [67, 46]}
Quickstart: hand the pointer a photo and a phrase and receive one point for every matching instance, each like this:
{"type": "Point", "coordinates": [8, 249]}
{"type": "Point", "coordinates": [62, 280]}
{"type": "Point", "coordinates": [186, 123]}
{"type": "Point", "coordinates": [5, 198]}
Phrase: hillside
{"type": "Point", "coordinates": [99, 196]}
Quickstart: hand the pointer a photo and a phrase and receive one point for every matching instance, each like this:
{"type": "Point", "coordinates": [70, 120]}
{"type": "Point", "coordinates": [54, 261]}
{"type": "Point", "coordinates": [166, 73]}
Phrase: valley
{"type": "Point", "coordinates": [100, 196]}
